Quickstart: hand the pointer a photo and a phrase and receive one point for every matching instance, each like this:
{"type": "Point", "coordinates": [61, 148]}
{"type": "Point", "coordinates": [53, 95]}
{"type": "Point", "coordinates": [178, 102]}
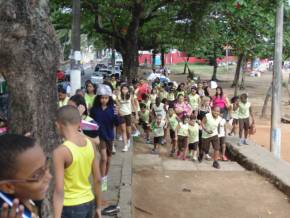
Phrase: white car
{"type": "Point", "coordinates": [97, 78]}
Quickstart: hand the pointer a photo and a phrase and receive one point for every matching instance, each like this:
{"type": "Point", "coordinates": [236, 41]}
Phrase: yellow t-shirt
{"type": "Point", "coordinates": [211, 125]}
{"type": "Point", "coordinates": [171, 96]}
{"type": "Point", "coordinates": [148, 104]}
{"type": "Point", "coordinates": [163, 95]}
{"type": "Point", "coordinates": [244, 110]}
{"type": "Point", "coordinates": [193, 133]}
{"type": "Point", "coordinates": [77, 186]}
{"type": "Point", "coordinates": [183, 130]}
{"type": "Point", "coordinates": [235, 114]}
{"type": "Point", "coordinates": [63, 103]}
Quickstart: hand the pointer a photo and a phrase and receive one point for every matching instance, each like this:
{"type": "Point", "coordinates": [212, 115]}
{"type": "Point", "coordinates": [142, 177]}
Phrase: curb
{"type": "Point", "coordinates": [125, 194]}
{"type": "Point", "coordinates": [256, 158]}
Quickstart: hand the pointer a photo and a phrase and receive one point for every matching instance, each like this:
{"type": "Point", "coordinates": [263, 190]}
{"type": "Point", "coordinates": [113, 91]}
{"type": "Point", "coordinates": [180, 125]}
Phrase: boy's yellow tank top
{"type": "Point", "coordinates": [77, 186]}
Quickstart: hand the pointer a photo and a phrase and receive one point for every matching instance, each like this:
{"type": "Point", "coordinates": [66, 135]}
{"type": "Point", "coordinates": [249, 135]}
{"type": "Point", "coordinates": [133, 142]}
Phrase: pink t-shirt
{"type": "Point", "coordinates": [219, 102]}
{"type": "Point", "coordinates": [185, 107]}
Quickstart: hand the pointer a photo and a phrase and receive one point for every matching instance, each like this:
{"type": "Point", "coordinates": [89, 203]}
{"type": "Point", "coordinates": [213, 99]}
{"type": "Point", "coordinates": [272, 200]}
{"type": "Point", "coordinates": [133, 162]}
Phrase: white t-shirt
{"type": "Point", "coordinates": [222, 132]}
{"type": "Point", "coordinates": [125, 106]}
{"type": "Point", "coordinates": [158, 130]}
{"type": "Point", "coordinates": [159, 110]}
{"type": "Point", "coordinates": [211, 125]}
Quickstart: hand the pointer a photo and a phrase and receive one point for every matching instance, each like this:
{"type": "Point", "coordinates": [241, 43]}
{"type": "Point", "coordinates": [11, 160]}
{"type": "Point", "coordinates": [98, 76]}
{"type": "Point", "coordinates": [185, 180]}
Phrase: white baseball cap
{"type": "Point", "coordinates": [104, 90]}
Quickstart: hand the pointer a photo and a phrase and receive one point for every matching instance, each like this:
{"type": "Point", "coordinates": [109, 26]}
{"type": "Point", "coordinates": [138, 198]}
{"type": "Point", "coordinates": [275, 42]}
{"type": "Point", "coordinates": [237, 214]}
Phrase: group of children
{"type": "Point", "coordinates": [91, 121]}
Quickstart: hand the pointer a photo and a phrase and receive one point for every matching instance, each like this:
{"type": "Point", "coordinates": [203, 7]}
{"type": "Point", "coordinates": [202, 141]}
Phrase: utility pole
{"type": "Point", "coordinates": [76, 56]}
{"type": "Point", "coordinates": [277, 83]}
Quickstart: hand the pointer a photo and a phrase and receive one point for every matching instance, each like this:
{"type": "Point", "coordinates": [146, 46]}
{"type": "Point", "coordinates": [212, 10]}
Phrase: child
{"type": "Point", "coordinates": [106, 115]}
{"type": "Point", "coordinates": [245, 111]}
{"type": "Point", "coordinates": [222, 136]}
{"type": "Point", "coordinates": [153, 95]}
{"type": "Point", "coordinates": [90, 94]}
{"type": "Point", "coordinates": [158, 109]}
{"type": "Point", "coordinates": [209, 126]}
{"type": "Point", "coordinates": [171, 97]}
{"type": "Point", "coordinates": [193, 137]}
{"type": "Point", "coordinates": [194, 100]}
{"type": "Point", "coordinates": [146, 101]}
{"type": "Point", "coordinates": [75, 161]}
{"type": "Point", "coordinates": [24, 175]}
{"type": "Point", "coordinates": [62, 97]}
{"type": "Point", "coordinates": [234, 114]}
{"type": "Point", "coordinates": [126, 102]}
{"type": "Point", "coordinates": [182, 137]}
{"type": "Point", "coordinates": [173, 123]}
{"type": "Point", "coordinates": [158, 133]}
{"type": "Point", "coordinates": [144, 120]}
{"type": "Point", "coordinates": [162, 93]}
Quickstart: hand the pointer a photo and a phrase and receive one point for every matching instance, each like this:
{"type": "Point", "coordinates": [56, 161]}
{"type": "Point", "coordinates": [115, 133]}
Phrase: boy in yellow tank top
{"type": "Point", "coordinates": [75, 161]}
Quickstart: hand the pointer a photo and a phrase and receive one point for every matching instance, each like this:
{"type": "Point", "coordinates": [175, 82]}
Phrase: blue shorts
{"type": "Point", "coordinates": [85, 210]}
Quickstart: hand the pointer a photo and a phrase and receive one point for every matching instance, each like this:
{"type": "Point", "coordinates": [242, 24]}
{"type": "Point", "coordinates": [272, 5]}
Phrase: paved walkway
{"type": "Point", "coordinates": [120, 182]}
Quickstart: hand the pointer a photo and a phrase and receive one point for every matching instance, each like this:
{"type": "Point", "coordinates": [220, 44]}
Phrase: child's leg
{"type": "Point", "coordinates": [103, 159]}
{"type": "Point", "coordinates": [124, 133]}
{"type": "Point", "coordinates": [109, 158]}
{"type": "Point", "coordinates": [216, 146]}
{"type": "Point", "coordinates": [246, 127]}
{"type": "Point", "coordinates": [241, 128]}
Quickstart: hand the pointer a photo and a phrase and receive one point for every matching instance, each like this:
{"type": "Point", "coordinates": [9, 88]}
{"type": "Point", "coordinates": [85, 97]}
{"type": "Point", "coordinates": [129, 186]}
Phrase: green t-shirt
{"type": "Point", "coordinates": [89, 100]}
{"type": "Point", "coordinates": [145, 116]}
{"type": "Point", "coordinates": [194, 101]}
{"type": "Point", "coordinates": [244, 110]}
{"type": "Point", "coordinates": [211, 125]}
{"type": "Point", "coordinates": [183, 130]}
{"type": "Point", "coordinates": [173, 122]}
{"type": "Point", "coordinates": [193, 133]}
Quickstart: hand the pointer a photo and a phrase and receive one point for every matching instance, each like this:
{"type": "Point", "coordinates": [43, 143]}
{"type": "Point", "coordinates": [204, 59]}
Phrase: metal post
{"type": "Point", "coordinates": [277, 83]}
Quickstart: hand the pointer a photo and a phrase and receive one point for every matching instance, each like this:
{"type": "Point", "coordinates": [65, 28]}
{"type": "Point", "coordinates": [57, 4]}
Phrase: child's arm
{"type": "Point", "coordinates": [59, 156]}
{"type": "Point", "coordinates": [252, 115]}
{"type": "Point", "coordinates": [97, 183]}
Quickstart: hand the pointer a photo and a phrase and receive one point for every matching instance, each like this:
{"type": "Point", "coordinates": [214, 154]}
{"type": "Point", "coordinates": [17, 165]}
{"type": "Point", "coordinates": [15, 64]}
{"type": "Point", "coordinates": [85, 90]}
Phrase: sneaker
{"type": "Point", "coordinates": [114, 150]}
{"type": "Point", "coordinates": [208, 157]}
{"type": "Point", "coordinates": [245, 142]}
{"type": "Point", "coordinates": [148, 141]}
{"type": "Point", "coordinates": [136, 134]}
{"type": "Point", "coordinates": [111, 210]}
{"type": "Point", "coordinates": [194, 158]}
{"type": "Point", "coordinates": [105, 184]}
{"type": "Point", "coordinates": [216, 165]}
{"type": "Point", "coordinates": [241, 142]}
{"type": "Point", "coordinates": [125, 149]}
{"type": "Point", "coordinates": [154, 151]}
{"type": "Point", "coordinates": [200, 157]}
{"type": "Point", "coordinates": [190, 155]}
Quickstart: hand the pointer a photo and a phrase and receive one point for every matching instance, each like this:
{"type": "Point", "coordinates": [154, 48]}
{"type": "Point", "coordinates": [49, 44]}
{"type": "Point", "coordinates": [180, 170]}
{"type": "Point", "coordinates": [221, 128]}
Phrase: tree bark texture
{"type": "Point", "coordinates": [266, 101]}
{"type": "Point", "coordinates": [238, 70]}
{"type": "Point", "coordinates": [162, 57]}
{"type": "Point", "coordinates": [186, 64]}
{"type": "Point", "coordinates": [153, 58]}
{"type": "Point", "coordinates": [29, 56]}
{"type": "Point", "coordinates": [244, 69]}
{"type": "Point", "coordinates": [215, 66]}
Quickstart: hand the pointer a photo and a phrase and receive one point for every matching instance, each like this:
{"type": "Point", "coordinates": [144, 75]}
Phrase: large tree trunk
{"type": "Point", "coordinates": [162, 57]}
{"type": "Point", "coordinates": [238, 70]}
{"type": "Point", "coordinates": [266, 101]}
{"type": "Point", "coordinates": [186, 64]}
{"type": "Point", "coordinates": [153, 58]}
{"type": "Point", "coordinates": [215, 66]}
{"type": "Point", "coordinates": [130, 64]}
{"type": "Point", "coordinates": [29, 56]}
{"type": "Point", "coordinates": [244, 69]}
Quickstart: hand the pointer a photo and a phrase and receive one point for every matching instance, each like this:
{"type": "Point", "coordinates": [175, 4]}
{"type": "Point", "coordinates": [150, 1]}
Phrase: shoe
{"type": "Point", "coordinates": [200, 157]}
{"type": "Point", "coordinates": [114, 150]}
{"type": "Point", "coordinates": [194, 158]}
{"type": "Point", "coordinates": [136, 134]}
{"type": "Point", "coordinates": [241, 142]}
{"type": "Point", "coordinates": [225, 158]}
{"type": "Point", "coordinates": [111, 210]}
{"type": "Point", "coordinates": [148, 141]}
{"type": "Point", "coordinates": [105, 184]}
{"type": "Point", "coordinates": [126, 148]}
{"type": "Point", "coordinates": [245, 142]}
{"type": "Point", "coordinates": [154, 151]}
{"type": "Point", "coordinates": [208, 157]}
{"type": "Point", "coordinates": [216, 165]}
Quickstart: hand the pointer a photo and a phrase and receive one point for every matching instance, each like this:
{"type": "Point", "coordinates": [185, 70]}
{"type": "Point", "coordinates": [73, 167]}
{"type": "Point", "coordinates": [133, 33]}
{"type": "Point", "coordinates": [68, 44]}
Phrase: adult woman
{"type": "Point", "coordinates": [182, 107]}
{"type": "Point", "coordinates": [221, 101]}
{"type": "Point", "coordinates": [90, 94]}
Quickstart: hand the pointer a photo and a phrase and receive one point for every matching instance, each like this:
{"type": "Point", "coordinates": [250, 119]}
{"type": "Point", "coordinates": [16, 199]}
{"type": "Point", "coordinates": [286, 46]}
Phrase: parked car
{"type": "Point", "coordinates": [97, 78]}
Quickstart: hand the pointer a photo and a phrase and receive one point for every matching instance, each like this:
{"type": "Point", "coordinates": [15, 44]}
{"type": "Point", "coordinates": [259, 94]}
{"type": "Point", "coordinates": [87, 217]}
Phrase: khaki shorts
{"type": "Point", "coordinates": [182, 142]}
{"type": "Point", "coordinates": [244, 123]}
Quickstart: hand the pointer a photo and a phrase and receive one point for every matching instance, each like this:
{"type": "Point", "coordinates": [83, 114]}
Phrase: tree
{"type": "Point", "coordinates": [29, 54]}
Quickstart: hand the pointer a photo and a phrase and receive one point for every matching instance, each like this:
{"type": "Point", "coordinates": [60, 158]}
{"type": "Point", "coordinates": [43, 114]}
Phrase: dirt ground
{"type": "Point", "coordinates": [206, 193]}
{"type": "Point", "coordinates": [183, 193]}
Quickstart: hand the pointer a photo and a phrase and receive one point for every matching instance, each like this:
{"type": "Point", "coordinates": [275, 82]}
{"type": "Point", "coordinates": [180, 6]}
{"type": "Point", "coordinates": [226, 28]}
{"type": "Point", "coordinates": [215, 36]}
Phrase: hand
{"type": "Point", "coordinates": [137, 117]}
{"type": "Point", "coordinates": [98, 213]}
{"type": "Point", "coordinates": [13, 213]}
{"type": "Point", "coordinates": [117, 110]}
{"type": "Point", "coordinates": [81, 109]}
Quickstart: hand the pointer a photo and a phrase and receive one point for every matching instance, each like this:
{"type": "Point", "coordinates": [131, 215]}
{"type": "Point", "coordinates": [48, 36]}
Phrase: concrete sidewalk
{"type": "Point", "coordinates": [120, 182]}
{"type": "Point", "coordinates": [256, 158]}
